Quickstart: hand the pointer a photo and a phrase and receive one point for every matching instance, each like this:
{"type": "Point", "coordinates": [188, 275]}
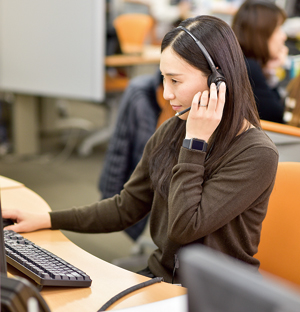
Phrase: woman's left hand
{"type": "Point", "coordinates": [206, 113]}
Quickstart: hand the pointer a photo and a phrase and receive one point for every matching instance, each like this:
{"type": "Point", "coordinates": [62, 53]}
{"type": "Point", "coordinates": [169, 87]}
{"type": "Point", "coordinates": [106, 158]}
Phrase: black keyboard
{"type": "Point", "coordinates": [42, 266]}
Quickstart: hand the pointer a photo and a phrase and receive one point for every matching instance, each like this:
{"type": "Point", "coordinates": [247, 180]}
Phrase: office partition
{"type": "Point", "coordinates": [53, 48]}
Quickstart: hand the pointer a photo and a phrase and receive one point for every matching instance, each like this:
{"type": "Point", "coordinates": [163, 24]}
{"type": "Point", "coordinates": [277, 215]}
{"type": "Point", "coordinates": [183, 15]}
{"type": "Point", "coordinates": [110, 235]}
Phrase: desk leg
{"type": "Point", "coordinates": [25, 125]}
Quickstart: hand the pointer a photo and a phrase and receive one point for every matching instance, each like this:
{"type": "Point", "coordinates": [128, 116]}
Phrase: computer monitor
{"type": "Point", "coordinates": [3, 266]}
{"type": "Point", "coordinates": [219, 283]}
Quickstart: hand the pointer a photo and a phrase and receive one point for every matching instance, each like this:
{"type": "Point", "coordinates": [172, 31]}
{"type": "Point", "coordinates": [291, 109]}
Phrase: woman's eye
{"type": "Point", "coordinates": [174, 81]}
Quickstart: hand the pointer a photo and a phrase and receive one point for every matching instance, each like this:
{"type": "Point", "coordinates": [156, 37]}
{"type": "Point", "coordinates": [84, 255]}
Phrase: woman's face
{"type": "Point", "coordinates": [181, 81]}
{"type": "Point", "coordinates": [276, 42]}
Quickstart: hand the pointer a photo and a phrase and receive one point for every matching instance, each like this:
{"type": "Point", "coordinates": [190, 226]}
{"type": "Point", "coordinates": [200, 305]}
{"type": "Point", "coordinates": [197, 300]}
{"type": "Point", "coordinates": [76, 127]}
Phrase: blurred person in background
{"type": "Point", "coordinates": [258, 27]}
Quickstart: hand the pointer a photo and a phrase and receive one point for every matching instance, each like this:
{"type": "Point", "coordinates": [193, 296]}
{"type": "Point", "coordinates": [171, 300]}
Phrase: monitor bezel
{"type": "Point", "coordinates": [216, 280]}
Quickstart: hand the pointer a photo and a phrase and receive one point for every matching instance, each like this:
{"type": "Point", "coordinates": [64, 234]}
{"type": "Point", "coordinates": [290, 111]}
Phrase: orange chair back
{"type": "Point", "coordinates": [132, 31]}
{"type": "Point", "coordinates": [280, 128]}
{"type": "Point", "coordinates": [279, 248]}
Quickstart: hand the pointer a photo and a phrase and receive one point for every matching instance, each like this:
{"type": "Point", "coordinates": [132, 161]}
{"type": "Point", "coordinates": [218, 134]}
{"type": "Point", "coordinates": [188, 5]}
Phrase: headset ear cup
{"type": "Point", "coordinates": [215, 77]}
{"type": "Point", "coordinates": [210, 80]}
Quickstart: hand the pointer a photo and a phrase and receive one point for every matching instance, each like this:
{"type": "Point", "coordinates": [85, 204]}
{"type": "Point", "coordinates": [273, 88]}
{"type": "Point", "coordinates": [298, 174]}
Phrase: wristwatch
{"type": "Point", "coordinates": [195, 144]}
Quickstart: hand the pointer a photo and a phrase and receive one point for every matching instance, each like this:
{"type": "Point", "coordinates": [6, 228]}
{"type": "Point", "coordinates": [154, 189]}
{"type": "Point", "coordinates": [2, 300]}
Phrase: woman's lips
{"type": "Point", "coordinates": [176, 108]}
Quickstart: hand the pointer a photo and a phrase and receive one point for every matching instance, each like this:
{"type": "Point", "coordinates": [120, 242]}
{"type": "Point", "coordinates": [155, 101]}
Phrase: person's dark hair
{"type": "Point", "coordinates": [254, 24]}
{"type": "Point", "coordinates": [223, 47]}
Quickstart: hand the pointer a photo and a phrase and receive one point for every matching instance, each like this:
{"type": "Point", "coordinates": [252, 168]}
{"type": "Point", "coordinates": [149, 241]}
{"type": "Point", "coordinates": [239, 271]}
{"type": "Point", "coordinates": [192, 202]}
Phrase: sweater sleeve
{"type": "Point", "coordinates": [116, 213]}
{"type": "Point", "coordinates": [197, 209]}
{"type": "Point", "coordinates": [111, 214]}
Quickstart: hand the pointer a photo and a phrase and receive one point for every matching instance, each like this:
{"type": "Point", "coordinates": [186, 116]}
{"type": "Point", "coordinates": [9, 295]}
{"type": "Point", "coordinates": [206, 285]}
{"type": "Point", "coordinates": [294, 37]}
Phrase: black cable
{"type": "Point", "coordinates": [128, 291]}
{"type": "Point", "coordinates": [173, 275]}
{"type": "Point", "coordinates": [176, 266]}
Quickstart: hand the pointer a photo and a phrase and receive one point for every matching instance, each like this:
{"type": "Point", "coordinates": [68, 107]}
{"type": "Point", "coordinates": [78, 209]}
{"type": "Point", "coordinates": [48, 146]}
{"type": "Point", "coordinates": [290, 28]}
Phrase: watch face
{"type": "Point", "coordinates": [195, 144]}
{"type": "Point", "coordinates": [198, 145]}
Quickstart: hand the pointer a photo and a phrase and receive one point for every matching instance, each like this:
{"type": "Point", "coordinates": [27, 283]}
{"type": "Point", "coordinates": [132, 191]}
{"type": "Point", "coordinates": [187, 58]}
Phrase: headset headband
{"type": "Point", "coordinates": [202, 48]}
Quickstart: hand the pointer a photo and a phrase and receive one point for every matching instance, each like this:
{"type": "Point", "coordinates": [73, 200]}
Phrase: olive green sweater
{"type": "Point", "coordinates": [225, 212]}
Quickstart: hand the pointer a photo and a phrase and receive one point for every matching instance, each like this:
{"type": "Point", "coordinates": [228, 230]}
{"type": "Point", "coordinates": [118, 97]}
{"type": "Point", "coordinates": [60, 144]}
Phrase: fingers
{"type": "Point", "coordinates": [10, 214]}
{"type": "Point", "coordinates": [200, 101]}
{"type": "Point", "coordinates": [12, 228]}
{"type": "Point", "coordinates": [20, 227]}
{"type": "Point", "coordinates": [210, 101]}
{"type": "Point", "coordinates": [195, 102]}
{"type": "Point", "coordinates": [204, 101]}
{"type": "Point", "coordinates": [26, 221]}
{"type": "Point", "coordinates": [221, 98]}
{"type": "Point", "coordinates": [13, 215]}
{"type": "Point", "coordinates": [213, 98]}
{"type": "Point", "coordinates": [21, 219]}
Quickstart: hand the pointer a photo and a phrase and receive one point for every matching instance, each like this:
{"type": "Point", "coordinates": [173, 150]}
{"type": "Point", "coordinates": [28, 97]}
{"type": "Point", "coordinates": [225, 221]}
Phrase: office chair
{"type": "Point", "coordinates": [280, 128]}
{"type": "Point", "coordinates": [132, 30]}
{"type": "Point", "coordinates": [286, 139]}
{"type": "Point", "coordinates": [279, 248]}
{"type": "Point", "coordinates": [114, 88]}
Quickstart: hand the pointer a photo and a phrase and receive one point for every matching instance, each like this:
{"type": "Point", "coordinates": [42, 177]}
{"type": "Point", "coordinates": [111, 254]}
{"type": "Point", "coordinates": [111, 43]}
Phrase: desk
{"type": "Point", "coordinates": [151, 55]}
{"type": "Point", "coordinates": [6, 183]}
{"type": "Point", "coordinates": [108, 280]}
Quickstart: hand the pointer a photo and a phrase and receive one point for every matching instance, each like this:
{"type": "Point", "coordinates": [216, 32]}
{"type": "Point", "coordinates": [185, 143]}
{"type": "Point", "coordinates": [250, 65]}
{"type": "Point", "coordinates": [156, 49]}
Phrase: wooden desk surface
{"type": "Point", "coordinates": [151, 55]}
{"type": "Point", "coordinates": [9, 183]}
{"type": "Point", "coordinates": [108, 280]}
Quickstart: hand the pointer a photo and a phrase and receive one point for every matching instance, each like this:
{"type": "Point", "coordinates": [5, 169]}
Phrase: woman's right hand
{"type": "Point", "coordinates": [206, 113]}
{"type": "Point", "coordinates": [26, 221]}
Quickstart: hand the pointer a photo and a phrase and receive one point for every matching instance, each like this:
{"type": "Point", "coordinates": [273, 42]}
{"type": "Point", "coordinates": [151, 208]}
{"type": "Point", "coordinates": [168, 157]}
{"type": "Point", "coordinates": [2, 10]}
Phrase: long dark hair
{"type": "Point", "coordinates": [224, 49]}
{"type": "Point", "coordinates": [254, 24]}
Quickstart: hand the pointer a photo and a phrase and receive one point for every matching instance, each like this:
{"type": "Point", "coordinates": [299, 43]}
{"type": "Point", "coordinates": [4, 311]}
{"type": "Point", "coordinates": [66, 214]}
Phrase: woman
{"type": "Point", "coordinates": [257, 25]}
{"type": "Point", "coordinates": [216, 196]}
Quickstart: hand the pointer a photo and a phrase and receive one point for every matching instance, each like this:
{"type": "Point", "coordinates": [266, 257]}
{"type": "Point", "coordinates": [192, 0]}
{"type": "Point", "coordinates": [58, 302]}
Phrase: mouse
{"type": "Point", "coordinates": [7, 222]}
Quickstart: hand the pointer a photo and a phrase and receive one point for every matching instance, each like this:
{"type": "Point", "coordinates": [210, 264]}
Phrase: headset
{"type": "Point", "coordinates": [216, 76]}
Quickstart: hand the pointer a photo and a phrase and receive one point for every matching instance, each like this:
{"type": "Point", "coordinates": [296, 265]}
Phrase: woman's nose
{"type": "Point", "coordinates": [168, 94]}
